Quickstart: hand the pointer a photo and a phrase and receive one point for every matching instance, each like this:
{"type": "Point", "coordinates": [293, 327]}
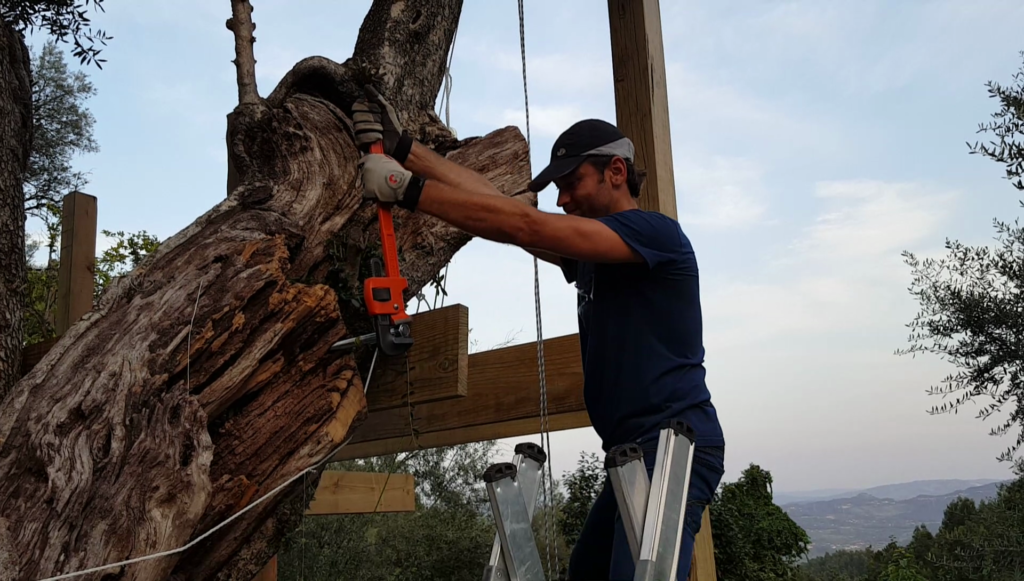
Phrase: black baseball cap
{"type": "Point", "coordinates": [583, 139]}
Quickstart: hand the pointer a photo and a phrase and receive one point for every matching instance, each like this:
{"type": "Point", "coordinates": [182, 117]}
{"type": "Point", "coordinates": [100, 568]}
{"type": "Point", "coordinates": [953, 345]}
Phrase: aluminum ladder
{"type": "Point", "coordinates": [652, 508]}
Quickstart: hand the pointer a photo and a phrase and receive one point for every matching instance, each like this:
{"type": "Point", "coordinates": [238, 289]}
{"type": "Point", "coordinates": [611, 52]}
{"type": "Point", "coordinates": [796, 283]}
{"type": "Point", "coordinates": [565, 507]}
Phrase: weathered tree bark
{"type": "Point", "coordinates": [202, 380]}
{"type": "Point", "coordinates": [15, 143]}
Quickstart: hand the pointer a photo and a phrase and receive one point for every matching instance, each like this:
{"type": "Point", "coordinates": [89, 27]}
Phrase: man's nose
{"type": "Point", "coordinates": [563, 198]}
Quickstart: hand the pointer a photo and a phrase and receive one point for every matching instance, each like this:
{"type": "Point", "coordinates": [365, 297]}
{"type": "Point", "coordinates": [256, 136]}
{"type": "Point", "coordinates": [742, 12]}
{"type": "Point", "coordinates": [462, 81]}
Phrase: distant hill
{"type": "Point", "coordinates": [901, 491]}
{"type": "Point", "coordinates": [866, 519]}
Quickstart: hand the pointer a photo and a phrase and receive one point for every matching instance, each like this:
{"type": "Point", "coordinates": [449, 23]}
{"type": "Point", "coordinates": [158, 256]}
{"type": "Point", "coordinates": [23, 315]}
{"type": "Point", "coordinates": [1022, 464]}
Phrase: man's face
{"type": "Point", "coordinates": [586, 192]}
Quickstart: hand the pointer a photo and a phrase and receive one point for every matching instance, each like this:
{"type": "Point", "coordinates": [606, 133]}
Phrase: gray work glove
{"type": "Point", "coordinates": [374, 119]}
{"type": "Point", "coordinates": [384, 179]}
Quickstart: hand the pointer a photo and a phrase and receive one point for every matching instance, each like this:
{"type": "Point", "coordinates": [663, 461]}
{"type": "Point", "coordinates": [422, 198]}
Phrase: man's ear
{"type": "Point", "coordinates": [617, 171]}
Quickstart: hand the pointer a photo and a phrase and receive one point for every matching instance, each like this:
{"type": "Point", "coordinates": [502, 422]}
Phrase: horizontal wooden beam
{"type": "Point", "coordinates": [435, 368]}
{"type": "Point", "coordinates": [31, 355]}
{"type": "Point", "coordinates": [503, 401]}
{"type": "Point", "coordinates": [342, 492]}
{"type": "Point", "coordinates": [458, 436]}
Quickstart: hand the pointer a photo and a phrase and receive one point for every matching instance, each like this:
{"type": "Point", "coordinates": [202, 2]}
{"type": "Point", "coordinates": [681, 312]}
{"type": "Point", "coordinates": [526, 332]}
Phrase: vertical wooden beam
{"type": "Point", "coordinates": [268, 572]}
{"type": "Point", "coordinates": [641, 111]}
{"type": "Point", "coordinates": [75, 282]}
{"type": "Point", "coordinates": [641, 96]}
{"type": "Point", "coordinates": [703, 565]}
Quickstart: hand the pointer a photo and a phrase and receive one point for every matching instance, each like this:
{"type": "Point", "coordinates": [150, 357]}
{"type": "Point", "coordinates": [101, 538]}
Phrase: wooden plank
{"type": "Point", "coordinates": [268, 572]}
{"type": "Point", "coordinates": [641, 108]}
{"type": "Point", "coordinates": [641, 96]}
{"type": "Point", "coordinates": [75, 282]}
{"type": "Point", "coordinates": [495, 431]}
{"type": "Point", "coordinates": [502, 388]}
{"type": "Point", "coordinates": [438, 363]}
{"type": "Point", "coordinates": [34, 353]}
{"type": "Point", "coordinates": [342, 492]}
{"type": "Point", "coordinates": [703, 565]}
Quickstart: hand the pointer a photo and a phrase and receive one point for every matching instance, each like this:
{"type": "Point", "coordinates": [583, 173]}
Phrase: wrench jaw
{"type": "Point", "coordinates": [392, 326]}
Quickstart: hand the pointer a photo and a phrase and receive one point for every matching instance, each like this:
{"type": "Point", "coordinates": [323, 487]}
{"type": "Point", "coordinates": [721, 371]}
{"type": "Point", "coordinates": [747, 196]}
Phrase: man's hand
{"type": "Point", "coordinates": [374, 119]}
{"type": "Point", "coordinates": [384, 179]}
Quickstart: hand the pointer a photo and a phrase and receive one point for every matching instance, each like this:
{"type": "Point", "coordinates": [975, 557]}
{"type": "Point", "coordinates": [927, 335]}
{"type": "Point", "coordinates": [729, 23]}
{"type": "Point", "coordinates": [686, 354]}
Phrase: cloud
{"type": "Point", "coordinates": [544, 121]}
{"type": "Point", "coordinates": [839, 274]}
{"type": "Point", "coordinates": [872, 220]}
{"type": "Point", "coordinates": [719, 192]}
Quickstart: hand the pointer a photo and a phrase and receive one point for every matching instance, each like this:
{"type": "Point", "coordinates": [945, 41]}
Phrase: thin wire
{"type": "Point", "coordinates": [302, 537]}
{"type": "Point", "coordinates": [202, 537]}
{"type": "Point", "coordinates": [548, 484]}
{"type": "Point", "coordinates": [188, 354]}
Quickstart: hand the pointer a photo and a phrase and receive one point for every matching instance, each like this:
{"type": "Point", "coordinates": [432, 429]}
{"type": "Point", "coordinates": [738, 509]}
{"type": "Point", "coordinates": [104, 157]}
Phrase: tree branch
{"type": "Point", "coordinates": [242, 26]}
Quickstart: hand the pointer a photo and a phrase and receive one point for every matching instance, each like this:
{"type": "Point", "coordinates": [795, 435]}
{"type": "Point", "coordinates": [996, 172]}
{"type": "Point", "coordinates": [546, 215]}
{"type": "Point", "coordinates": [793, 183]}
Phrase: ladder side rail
{"type": "Point", "coordinates": [513, 523]}
{"type": "Point", "coordinates": [631, 485]}
{"type": "Point", "coordinates": [666, 507]}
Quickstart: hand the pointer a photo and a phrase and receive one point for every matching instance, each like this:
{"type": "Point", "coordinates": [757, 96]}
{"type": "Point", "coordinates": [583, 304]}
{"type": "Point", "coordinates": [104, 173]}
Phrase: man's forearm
{"type": "Point", "coordinates": [427, 163]}
{"type": "Point", "coordinates": [495, 218]}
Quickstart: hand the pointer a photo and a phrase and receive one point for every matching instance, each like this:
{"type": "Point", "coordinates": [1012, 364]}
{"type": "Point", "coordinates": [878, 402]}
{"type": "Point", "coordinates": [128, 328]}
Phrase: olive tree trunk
{"type": "Point", "coordinates": [203, 379]}
{"type": "Point", "coordinates": [15, 143]}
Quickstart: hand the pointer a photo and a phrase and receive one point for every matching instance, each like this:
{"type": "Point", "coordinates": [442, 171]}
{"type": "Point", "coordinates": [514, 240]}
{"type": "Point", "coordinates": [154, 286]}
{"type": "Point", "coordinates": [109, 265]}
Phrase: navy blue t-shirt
{"type": "Point", "coordinates": [641, 335]}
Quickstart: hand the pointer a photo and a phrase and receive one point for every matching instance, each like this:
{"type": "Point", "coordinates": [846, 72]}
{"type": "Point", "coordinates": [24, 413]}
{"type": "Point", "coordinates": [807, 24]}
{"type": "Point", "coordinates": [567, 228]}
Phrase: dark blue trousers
{"type": "Point", "coordinates": [602, 551]}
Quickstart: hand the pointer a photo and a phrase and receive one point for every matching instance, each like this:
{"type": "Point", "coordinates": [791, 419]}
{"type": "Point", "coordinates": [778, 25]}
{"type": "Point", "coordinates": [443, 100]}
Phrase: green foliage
{"type": "Point", "coordinates": [125, 254]}
{"type": "Point", "coordinates": [838, 566]}
{"type": "Point", "coordinates": [60, 19]}
{"type": "Point", "coordinates": [901, 566]}
{"type": "Point", "coordinates": [448, 537]}
{"type": "Point", "coordinates": [975, 542]}
{"type": "Point", "coordinates": [755, 539]}
{"type": "Point", "coordinates": [62, 127]}
{"type": "Point", "coordinates": [582, 487]}
{"type": "Point", "coordinates": [970, 300]}
{"type": "Point", "coordinates": [41, 281]}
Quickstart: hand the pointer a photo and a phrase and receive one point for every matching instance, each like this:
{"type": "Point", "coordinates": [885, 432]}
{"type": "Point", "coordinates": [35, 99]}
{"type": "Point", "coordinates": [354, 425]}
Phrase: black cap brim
{"type": "Point", "coordinates": [555, 170]}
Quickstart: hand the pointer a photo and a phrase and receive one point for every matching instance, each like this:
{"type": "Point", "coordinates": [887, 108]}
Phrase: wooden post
{"type": "Point", "coordinates": [75, 282]}
{"type": "Point", "coordinates": [641, 107]}
{"type": "Point", "coordinates": [268, 572]}
{"type": "Point", "coordinates": [641, 96]}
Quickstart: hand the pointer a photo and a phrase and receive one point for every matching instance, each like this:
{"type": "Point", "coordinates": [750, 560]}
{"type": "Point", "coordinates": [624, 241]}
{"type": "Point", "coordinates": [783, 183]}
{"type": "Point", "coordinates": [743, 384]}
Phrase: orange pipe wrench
{"type": "Point", "coordinates": [383, 292]}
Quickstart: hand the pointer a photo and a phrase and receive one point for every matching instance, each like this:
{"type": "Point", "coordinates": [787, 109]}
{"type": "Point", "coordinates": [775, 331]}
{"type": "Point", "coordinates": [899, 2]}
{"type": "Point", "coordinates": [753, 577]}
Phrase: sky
{"type": "Point", "coordinates": [812, 141]}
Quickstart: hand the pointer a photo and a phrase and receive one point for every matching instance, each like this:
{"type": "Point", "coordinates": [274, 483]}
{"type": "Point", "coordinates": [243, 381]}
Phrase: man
{"type": "Point", "coordinates": [638, 296]}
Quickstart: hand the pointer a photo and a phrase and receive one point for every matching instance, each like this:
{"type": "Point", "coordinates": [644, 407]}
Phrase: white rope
{"type": "Point", "coordinates": [446, 95]}
{"type": "Point", "coordinates": [200, 538]}
{"type": "Point", "coordinates": [548, 483]}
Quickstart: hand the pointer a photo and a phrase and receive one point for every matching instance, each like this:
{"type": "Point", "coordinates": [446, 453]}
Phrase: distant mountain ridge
{"type": "Point", "coordinates": [899, 491]}
{"type": "Point", "coordinates": [867, 518]}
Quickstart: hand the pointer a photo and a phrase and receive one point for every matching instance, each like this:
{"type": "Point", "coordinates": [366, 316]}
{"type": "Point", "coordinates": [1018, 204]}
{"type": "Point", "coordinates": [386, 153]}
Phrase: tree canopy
{"type": "Point", "coordinates": [971, 308]}
{"type": "Point", "coordinates": [61, 19]}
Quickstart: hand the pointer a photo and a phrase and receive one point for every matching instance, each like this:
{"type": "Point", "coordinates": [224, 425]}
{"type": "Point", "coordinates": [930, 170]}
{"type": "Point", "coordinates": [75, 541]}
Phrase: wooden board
{"type": "Point", "coordinates": [641, 96]}
{"type": "Point", "coordinates": [703, 565]}
{"type": "Point", "coordinates": [503, 387]}
{"type": "Point", "coordinates": [437, 365]}
{"type": "Point", "coordinates": [75, 282]}
{"type": "Point", "coordinates": [455, 437]}
{"type": "Point", "coordinates": [342, 492]}
{"type": "Point", "coordinates": [641, 111]}
{"type": "Point", "coordinates": [268, 572]}
{"type": "Point", "coordinates": [33, 354]}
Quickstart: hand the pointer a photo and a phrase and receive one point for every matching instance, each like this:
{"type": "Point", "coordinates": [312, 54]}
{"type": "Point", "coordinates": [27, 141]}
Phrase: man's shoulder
{"type": "Point", "coordinates": [651, 229]}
